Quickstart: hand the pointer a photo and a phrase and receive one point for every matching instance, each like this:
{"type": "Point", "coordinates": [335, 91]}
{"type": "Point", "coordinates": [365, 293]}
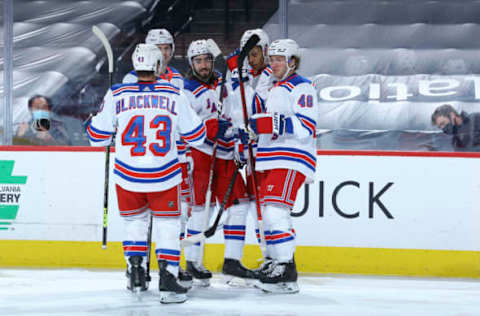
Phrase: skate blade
{"type": "Point", "coordinates": [186, 284]}
{"type": "Point", "coordinates": [137, 290]}
{"type": "Point", "coordinates": [201, 282]}
{"type": "Point", "coordinates": [238, 282]}
{"type": "Point", "coordinates": [172, 297]}
{"type": "Point", "coordinates": [279, 288]}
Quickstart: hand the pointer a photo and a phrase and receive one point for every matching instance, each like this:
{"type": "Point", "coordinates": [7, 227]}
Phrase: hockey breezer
{"type": "Point", "coordinates": [211, 231]}
{"type": "Point", "coordinates": [108, 48]}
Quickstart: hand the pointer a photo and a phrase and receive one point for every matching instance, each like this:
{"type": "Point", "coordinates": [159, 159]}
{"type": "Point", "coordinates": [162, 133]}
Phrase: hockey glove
{"type": "Point", "coordinates": [232, 60]}
{"type": "Point", "coordinates": [276, 124]}
{"type": "Point", "coordinates": [216, 128]}
{"type": "Point", "coordinates": [244, 136]}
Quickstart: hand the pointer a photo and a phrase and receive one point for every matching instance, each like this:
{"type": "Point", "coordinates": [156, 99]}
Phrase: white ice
{"type": "Point", "coordinates": [95, 293]}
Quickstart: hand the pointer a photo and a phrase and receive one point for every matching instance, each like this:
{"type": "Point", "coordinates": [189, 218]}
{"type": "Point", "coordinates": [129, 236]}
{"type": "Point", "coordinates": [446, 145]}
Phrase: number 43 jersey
{"type": "Point", "coordinates": [146, 116]}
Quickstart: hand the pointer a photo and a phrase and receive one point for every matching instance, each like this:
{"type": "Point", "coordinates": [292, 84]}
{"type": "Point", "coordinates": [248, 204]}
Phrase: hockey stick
{"type": "Point", "coordinates": [252, 41]}
{"type": "Point", "coordinates": [216, 52]}
{"type": "Point", "coordinates": [149, 245]}
{"type": "Point", "coordinates": [108, 48]}
{"type": "Point", "coordinates": [211, 231]}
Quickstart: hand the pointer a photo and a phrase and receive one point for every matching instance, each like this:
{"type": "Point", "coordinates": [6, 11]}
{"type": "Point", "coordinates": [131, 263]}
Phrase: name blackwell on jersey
{"type": "Point", "coordinates": [146, 101]}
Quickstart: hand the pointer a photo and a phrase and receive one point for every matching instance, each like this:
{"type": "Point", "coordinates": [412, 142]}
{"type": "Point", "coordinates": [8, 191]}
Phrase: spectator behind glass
{"type": "Point", "coordinates": [465, 128]}
{"type": "Point", "coordinates": [44, 128]}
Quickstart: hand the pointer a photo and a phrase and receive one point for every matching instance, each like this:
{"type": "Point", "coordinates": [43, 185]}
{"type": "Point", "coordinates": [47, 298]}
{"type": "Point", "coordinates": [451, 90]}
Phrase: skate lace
{"type": "Point", "coordinates": [267, 266]}
{"type": "Point", "coordinates": [277, 269]}
{"type": "Point", "coordinates": [201, 268]}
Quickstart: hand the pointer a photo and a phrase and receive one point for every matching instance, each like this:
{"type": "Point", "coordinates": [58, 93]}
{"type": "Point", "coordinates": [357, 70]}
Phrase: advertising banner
{"type": "Point", "coordinates": [377, 201]}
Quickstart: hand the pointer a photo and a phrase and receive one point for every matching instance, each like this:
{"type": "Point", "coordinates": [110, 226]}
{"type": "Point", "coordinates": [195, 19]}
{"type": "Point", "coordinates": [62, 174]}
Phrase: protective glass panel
{"type": "Point", "coordinates": [381, 69]}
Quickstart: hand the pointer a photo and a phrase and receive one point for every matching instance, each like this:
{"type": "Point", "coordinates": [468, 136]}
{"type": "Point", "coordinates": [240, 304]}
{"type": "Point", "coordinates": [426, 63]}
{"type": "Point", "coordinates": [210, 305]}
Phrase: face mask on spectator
{"type": "Point", "coordinates": [41, 119]}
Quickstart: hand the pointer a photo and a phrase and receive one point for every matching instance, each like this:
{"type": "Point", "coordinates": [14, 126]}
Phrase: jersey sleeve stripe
{"type": "Point", "coordinates": [196, 134]}
{"type": "Point", "coordinates": [308, 123]}
{"type": "Point", "coordinates": [96, 135]}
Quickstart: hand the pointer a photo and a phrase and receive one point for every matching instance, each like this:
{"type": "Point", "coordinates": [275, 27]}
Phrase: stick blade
{"type": "Point", "coordinates": [213, 48]}
{"type": "Point", "coordinates": [106, 44]}
{"type": "Point", "coordinates": [251, 43]}
{"type": "Point", "coordinates": [192, 240]}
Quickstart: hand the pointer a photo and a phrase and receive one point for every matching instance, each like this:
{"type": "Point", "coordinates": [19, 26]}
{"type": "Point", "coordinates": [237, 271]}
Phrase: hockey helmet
{"type": "Point", "coordinates": [160, 36]}
{"type": "Point", "coordinates": [284, 47]}
{"type": "Point", "coordinates": [146, 57]}
{"type": "Point", "coordinates": [199, 47]}
{"type": "Point", "coordinates": [264, 40]}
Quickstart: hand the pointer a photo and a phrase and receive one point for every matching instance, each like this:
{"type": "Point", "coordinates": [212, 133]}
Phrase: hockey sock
{"type": "Point", "coordinates": [136, 230]}
{"type": "Point", "coordinates": [281, 233]}
{"type": "Point", "coordinates": [167, 242]}
{"type": "Point", "coordinates": [183, 219]}
{"type": "Point", "coordinates": [252, 209]}
{"type": "Point", "coordinates": [194, 226]}
{"type": "Point", "coordinates": [234, 231]}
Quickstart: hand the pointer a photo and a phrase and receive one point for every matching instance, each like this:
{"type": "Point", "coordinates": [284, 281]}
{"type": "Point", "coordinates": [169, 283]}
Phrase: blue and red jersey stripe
{"type": "Point", "coordinates": [147, 175]}
{"type": "Point", "coordinates": [285, 153]}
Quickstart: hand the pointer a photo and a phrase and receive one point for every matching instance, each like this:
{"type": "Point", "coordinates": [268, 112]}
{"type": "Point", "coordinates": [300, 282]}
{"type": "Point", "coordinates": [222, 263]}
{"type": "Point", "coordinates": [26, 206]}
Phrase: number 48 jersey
{"type": "Point", "coordinates": [146, 117]}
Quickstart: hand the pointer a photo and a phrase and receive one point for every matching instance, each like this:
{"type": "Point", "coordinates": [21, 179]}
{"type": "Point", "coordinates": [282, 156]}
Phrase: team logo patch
{"type": "Point", "coordinates": [270, 187]}
{"type": "Point", "coordinates": [140, 59]}
{"type": "Point", "coordinates": [171, 204]}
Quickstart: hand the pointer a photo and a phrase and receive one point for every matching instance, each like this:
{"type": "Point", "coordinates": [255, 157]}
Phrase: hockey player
{"type": "Point", "coordinates": [257, 72]}
{"type": "Point", "coordinates": [258, 80]}
{"type": "Point", "coordinates": [164, 41]}
{"type": "Point", "coordinates": [202, 86]}
{"type": "Point", "coordinates": [146, 117]}
{"type": "Point", "coordinates": [286, 154]}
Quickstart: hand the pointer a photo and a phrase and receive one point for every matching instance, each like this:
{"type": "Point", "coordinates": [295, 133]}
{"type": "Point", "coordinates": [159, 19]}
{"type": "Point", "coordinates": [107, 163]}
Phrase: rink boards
{"type": "Point", "coordinates": [388, 213]}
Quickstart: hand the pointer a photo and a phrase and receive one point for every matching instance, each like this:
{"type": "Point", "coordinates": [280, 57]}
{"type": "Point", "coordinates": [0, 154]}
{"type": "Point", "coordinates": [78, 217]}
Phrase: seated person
{"type": "Point", "coordinates": [465, 128]}
{"type": "Point", "coordinates": [43, 128]}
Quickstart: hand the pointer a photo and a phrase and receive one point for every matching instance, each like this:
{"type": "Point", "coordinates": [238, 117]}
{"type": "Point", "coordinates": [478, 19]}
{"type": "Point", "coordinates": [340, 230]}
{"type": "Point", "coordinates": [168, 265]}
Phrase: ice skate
{"type": "Point", "coordinates": [235, 274]}
{"type": "Point", "coordinates": [170, 290]}
{"type": "Point", "coordinates": [281, 279]}
{"type": "Point", "coordinates": [265, 267]}
{"type": "Point", "coordinates": [137, 280]}
{"type": "Point", "coordinates": [185, 278]}
{"type": "Point", "coordinates": [199, 273]}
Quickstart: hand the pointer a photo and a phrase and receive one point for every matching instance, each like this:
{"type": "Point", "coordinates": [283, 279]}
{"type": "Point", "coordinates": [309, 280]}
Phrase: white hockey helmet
{"type": "Point", "coordinates": [147, 57]}
{"type": "Point", "coordinates": [264, 40]}
{"type": "Point", "coordinates": [160, 36]}
{"type": "Point", "coordinates": [198, 47]}
{"type": "Point", "coordinates": [284, 47]}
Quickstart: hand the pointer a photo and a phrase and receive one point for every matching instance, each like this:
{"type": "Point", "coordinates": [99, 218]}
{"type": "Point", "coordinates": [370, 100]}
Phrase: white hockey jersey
{"type": "Point", "coordinates": [260, 82]}
{"type": "Point", "coordinates": [174, 77]}
{"type": "Point", "coordinates": [295, 98]}
{"type": "Point", "coordinates": [146, 118]}
{"type": "Point", "coordinates": [205, 102]}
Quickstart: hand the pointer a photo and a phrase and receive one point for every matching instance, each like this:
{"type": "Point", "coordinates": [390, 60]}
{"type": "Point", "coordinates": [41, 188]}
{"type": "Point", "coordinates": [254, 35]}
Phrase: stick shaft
{"type": "Point", "coordinates": [108, 48]}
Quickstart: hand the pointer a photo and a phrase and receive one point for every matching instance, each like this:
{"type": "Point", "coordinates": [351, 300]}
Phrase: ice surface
{"type": "Point", "coordinates": [95, 293]}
